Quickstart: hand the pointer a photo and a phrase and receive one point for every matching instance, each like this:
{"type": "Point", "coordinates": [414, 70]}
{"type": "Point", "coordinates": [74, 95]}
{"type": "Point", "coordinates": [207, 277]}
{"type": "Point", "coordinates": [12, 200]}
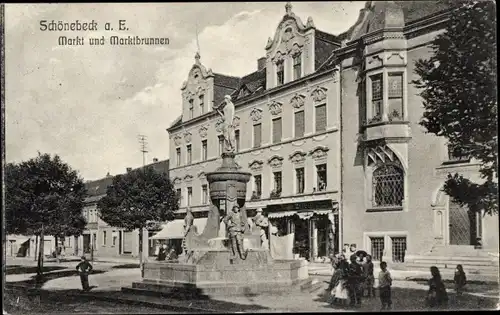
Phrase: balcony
{"type": "Point", "coordinates": [376, 128]}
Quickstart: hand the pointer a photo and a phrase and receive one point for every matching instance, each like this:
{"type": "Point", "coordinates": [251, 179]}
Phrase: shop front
{"type": "Point", "coordinates": [314, 227]}
{"type": "Point", "coordinates": [172, 234]}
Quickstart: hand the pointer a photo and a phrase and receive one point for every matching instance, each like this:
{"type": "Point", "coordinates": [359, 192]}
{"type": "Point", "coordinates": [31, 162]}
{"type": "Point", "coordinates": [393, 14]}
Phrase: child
{"type": "Point", "coordinates": [460, 279]}
{"type": "Point", "coordinates": [436, 295]}
{"type": "Point", "coordinates": [84, 267]}
{"type": "Point", "coordinates": [369, 277]}
{"type": "Point", "coordinates": [385, 283]}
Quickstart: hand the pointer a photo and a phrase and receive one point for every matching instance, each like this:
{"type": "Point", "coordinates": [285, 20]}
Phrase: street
{"type": "Point", "coordinates": [110, 277]}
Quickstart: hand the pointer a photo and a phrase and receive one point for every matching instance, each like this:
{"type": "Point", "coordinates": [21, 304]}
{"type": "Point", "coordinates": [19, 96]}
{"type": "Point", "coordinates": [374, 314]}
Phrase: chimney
{"type": "Point", "coordinates": [155, 160]}
{"type": "Point", "coordinates": [108, 175]}
{"type": "Point", "coordinates": [129, 169]}
{"type": "Point", "coordinates": [261, 63]}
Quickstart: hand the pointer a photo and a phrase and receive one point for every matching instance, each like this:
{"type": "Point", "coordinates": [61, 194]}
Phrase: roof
{"type": "Point", "coordinates": [226, 80]}
{"type": "Point", "coordinates": [380, 14]}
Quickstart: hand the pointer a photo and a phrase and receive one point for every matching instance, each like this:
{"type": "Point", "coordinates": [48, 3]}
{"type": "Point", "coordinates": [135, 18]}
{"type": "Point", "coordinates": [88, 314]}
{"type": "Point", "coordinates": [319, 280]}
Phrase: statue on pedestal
{"type": "Point", "coordinates": [263, 223]}
{"type": "Point", "coordinates": [188, 223]}
{"type": "Point", "coordinates": [236, 227]}
{"type": "Point", "coordinates": [227, 115]}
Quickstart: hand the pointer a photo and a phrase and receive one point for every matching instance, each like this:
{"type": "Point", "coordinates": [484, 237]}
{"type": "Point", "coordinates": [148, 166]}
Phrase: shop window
{"type": "Point", "coordinates": [300, 181]}
{"type": "Point", "coordinates": [257, 135]}
{"type": "Point", "coordinates": [321, 118]}
{"type": "Point", "coordinates": [277, 130]}
{"type": "Point", "coordinates": [398, 249]}
{"type": "Point", "coordinates": [191, 109]}
{"type": "Point", "coordinates": [388, 186]}
{"type": "Point", "coordinates": [377, 247]}
{"type": "Point", "coordinates": [178, 156]}
{"type": "Point", "coordinates": [321, 177]}
{"type": "Point", "coordinates": [204, 150]}
{"type": "Point", "coordinates": [280, 72]}
{"type": "Point", "coordinates": [299, 124]}
{"type": "Point", "coordinates": [297, 66]}
{"type": "Point", "coordinates": [189, 154]}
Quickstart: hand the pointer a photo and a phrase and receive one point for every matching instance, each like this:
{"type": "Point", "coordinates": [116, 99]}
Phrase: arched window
{"type": "Point", "coordinates": [388, 186]}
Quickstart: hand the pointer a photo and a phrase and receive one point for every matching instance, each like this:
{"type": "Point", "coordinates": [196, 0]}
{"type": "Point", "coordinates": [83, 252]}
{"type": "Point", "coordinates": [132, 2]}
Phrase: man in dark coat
{"type": "Point", "coordinates": [84, 268]}
{"type": "Point", "coordinates": [354, 281]}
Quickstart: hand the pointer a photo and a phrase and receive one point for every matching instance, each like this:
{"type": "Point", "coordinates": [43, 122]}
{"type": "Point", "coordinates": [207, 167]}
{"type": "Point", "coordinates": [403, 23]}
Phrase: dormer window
{"type": "Point", "coordinates": [280, 72]}
{"type": "Point", "coordinates": [191, 109]}
{"type": "Point", "coordinates": [297, 66]}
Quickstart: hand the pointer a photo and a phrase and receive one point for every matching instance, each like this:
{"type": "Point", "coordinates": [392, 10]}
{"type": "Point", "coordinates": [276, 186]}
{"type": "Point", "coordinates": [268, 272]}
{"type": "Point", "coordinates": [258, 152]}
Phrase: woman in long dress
{"type": "Point", "coordinates": [339, 292]}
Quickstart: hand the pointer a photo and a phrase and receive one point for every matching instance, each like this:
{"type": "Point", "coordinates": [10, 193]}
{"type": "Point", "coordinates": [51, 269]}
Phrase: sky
{"type": "Point", "coordinates": [88, 104]}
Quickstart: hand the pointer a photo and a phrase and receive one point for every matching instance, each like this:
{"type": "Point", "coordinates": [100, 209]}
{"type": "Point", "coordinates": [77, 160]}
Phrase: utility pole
{"type": "Point", "coordinates": [144, 144]}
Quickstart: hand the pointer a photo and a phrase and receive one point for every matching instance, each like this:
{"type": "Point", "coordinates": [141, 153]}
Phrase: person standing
{"type": "Point", "coordinates": [385, 283]}
{"type": "Point", "coordinates": [84, 268]}
{"type": "Point", "coordinates": [369, 276]}
{"type": "Point", "coordinates": [354, 281]}
{"type": "Point", "coordinates": [236, 226]}
{"type": "Point", "coordinates": [460, 280]}
{"type": "Point", "coordinates": [436, 296]}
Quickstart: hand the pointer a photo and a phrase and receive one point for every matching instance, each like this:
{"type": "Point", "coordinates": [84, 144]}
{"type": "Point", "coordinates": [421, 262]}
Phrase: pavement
{"type": "Point", "coordinates": [112, 276]}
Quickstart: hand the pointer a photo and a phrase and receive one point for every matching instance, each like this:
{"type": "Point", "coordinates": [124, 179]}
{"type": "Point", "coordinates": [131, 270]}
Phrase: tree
{"type": "Point", "coordinates": [137, 198]}
{"type": "Point", "coordinates": [43, 196]}
{"type": "Point", "coordinates": [460, 98]}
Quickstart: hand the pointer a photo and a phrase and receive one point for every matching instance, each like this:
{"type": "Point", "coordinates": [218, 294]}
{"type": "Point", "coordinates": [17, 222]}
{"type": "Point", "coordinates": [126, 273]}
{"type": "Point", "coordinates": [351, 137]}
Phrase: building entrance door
{"type": "Point", "coordinates": [461, 225]}
{"type": "Point", "coordinates": [86, 243]}
{"type": "Point", "coordinates": [302, 238]}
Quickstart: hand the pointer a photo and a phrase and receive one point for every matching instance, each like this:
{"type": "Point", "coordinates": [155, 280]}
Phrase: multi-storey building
{"type": "Point", "coordinates": [287, 118]}
{"type": "Point", "coordinates": [392, 170]}
{"type": "Point", "coordinates": [107, 241]}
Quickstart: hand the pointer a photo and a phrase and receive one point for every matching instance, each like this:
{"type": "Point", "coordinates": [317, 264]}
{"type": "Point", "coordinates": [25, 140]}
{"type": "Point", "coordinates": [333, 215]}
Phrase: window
{"type": "Point", "coordinates": [204, 150]}
{"type": "Point", "coordinates": [68, 241]}
{"type": "Point", "coordinates": [104, 238]}
{"type": "Point", "coordinates": [114, 238]}
{"type": "Point", "coordinates": [455, 155]}
{"type": "Point", "coordinates": [257, 135]}
{"type": "Point", "coordinates": [178, 193]}
{"type": "Point", "coordinates": [237, 139]}
{"type": "Point", "coordinates": [280, 72]}
{"type": "Point", "coordinates": [321, 118]}
{"type": "Point", "coordinates": [178, 156]}
{"type": "Point", "coordinates": [277, 182]}
{"type": "Point", "coordinates": [191, 109]}
{"type": "Point", "coordinates": [377, 247]}
{"type": "Point", "coordinates": [202, 104]}
{"type": "Point", "coordinates": [377, 97]}
{"type": "Point", "coordinates": [189, 154]}
{"type": "Point", "coordinates": [299, 124]}
{"type": "Point", "coordinates": [221, 144]}
{"type": "Point", "coordinates": [297, 66]}
{"type": "Point", "coordinates": [395, 96]}
{"type": "Point", "coordinates": [299, 175]}
{"type": "Point", "coordinates": [398, 249]}
{"type": "Point", "coordinates": [204, 197]}
{"type": "Point", "coordinates": [277, 130]}
{"type": "Point", "coordinates": [190, 195]}
{"type": "Point", "coordinates": [321, 177]}
{"type": "Point", "coordinates": [258, 184]}
{"type": "Point", "coordinates": [388, 186]}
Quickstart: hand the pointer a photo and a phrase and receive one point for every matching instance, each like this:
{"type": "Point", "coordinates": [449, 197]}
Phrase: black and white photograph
{"type": "Point", "coordinates": [249, 157]}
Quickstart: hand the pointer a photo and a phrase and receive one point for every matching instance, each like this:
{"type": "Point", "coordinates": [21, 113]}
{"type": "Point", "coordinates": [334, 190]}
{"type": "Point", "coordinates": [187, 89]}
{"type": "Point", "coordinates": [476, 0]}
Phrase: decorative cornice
{"type": "Point", "coordinates": [297, 101]}
{"type": "Point", "coordinates": [319, 152]}
{"type": "Point", "coordinates": [275, 161]}
{"type": "Point", "coordinates": [319, 94]}
{"type": "Point", "coordinates": [256, 114]}
{"type": "Point", "coordinates": [202, 175]}
{"type": "Point", "coordinates": [203, 131]}
{"type": "Point", "coordinates": [187, 136]}
{"type": "Point", "coordinates": [188, 178]}
{"type": "Point", "coordinates": [177, 140]}
{"type": "Point", "coordinates": [297, 157]}
{"type": "Point", "coordinates": [177, 181]}
{"type": "Point", "coordinates": [275, 108]}
{"type": "Point", "coordinates": [255, 165]}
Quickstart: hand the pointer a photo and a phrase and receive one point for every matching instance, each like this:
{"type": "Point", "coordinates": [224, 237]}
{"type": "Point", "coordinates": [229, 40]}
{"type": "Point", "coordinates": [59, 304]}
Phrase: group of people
{"type": "Point", "coordinates": [354, 279]}
{"type": "Point", "coordinates": [165, 254]}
